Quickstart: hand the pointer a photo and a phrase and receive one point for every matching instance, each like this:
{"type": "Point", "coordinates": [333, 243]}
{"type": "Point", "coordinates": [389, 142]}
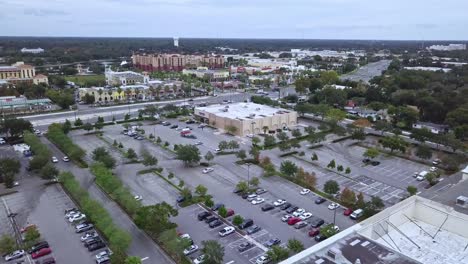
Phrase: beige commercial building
{"type": "Point", "coordinates": [247, 118]}
{"type": "Point", "coordinates": [21, 73]}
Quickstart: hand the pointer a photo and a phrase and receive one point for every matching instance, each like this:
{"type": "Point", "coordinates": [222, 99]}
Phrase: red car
{"type": "Point", "coordinates": [294, 220]}
{"type": "Point", "coordinates": [348, 212]}
{"type": "Point", "coordinates": [229, 213]}
{"type": "Point", "coordinates": [41, 252]}
{"type": "Point", "coordinates": [314, 231]}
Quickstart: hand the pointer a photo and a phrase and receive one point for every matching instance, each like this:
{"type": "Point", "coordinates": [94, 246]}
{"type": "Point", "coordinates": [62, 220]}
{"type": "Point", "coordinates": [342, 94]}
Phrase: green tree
{"type": "Point", "coordinates": [88, 127]}
{"type": "Point", "coordinates": [335, 115]}
{"type": "Point", "coordinates": [282, 136]}
{"type": "Point", "coordinates": [242, 186]}
{"type": "Point", "coordinates": [328, 230]}
{"type": "Point", "coordinates": [131, 154]}
{"type": "Point", "coordinates": [424, 152]}
{"type": "Point", "coordinates": [148, 159]}
{"type": "Point", "coordinates": [296, 133]}
{"type": "Point", "coordinates": [66, 127]}
{"type": "Point", "coordinates": [231, 129]}
{"type": "Point", "coordinates": [255, 140]}
{"type": "Point", "coordinates": [241, 154]}
{"type": "Point", "coordinates": [360, 203]}
{"type": "Point", "coordinates": [9, 166]}
{"type": "Point", "coordinates": [277, 253]}
{"type": "Point", "coordinates": [358, 134]}
{"type": "Point", "coordinates": [7, 244]}
{"type": "Point", "coordinates": [373, 206]}
{"type": "Point", "coordinates": [233, 144]}
{"type": "Point", "coordinates": [394, 143]}
{"type": "Point", "coordinates": [201, 190]}
{"type": "Point", "coordinates": [339, 168]}
{"type": "Point", "coordinates": [189, 154]}
{"type": "Point", "coordinates": [209, 156]}
{"type": "Point", "coordinates": [269, 141]}
{"type": "Point", "coordinates": [265, 129]}
{"type": "Point", "coordinates": [127, 117]}
{"type": "Point", "coordinates": [237, 220]}
{"type": "Point", "coordinates": [288, 168]}
{"type": "Point", "coordinates": [186, 193]}
{"type": "Point", "coordinates": [223, 145]}
{"type": "Point", "coordinates": [295, 245]}
{"type": "Point", "coordinates": [348, 170]}
{"type": "Point", "coordinates": [213, 251]}
{"type": "Point", "coordinates": [155, 218]}
{"type": "Point", "coordinates": [132, 260]}
{"type": "Point", "coordinates": [49, 171]}
{"type": "Point", "coordinates": [371, 153]}
{"type": "Point", "coordinates": [31, 235]}
{"type": "Point", "coordinates": [222, 211]}
{"type": "Point", "coordinates": [102, 155]}
{"type": "Point", "coordinates": [329, 77]}
{"type": "Point", "coordinates": [331, 187]}
{"type": "Point", "coordinates": [314, 156]}
{"type": "Point", "coordinates": [254, 181]}
{"type": "Point", "coordinates": [331, 164]}
{"type": "Point", "coordinates": [348, 197]}
{"type": "Point", "coordinates": [209, 202]}
{"type": "Point", "coordinates": [412, 190]}
{"type": "Point", "coordinates": [15, 127]}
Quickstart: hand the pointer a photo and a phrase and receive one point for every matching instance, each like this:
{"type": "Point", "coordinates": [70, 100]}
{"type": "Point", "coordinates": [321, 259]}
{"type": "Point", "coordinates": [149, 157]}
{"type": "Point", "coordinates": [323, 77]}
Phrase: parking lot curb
{"type": "Point", "coordinates": [8, 193]}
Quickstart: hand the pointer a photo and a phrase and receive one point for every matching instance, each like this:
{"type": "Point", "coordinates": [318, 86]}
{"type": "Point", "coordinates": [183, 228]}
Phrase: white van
{"type": "Point", "coordinates": [357, 214]}
{"type": "Point", "coordinates": [422, 175]}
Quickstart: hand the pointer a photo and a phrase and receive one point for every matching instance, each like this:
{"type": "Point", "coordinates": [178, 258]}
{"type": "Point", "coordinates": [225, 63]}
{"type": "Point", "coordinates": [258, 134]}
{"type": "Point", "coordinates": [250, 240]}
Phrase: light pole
{"type": "Point", "coordinates": [248, 175]}
{"type": "Point", "coordinates": [253, 123]}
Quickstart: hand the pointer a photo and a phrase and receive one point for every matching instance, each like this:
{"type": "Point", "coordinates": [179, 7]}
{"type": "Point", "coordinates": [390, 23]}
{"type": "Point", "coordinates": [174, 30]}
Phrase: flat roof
{"type": "Point", "coordinates": [243, 111]}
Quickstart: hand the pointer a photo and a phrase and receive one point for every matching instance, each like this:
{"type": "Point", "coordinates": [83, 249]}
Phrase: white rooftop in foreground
{"type": "Point", "coordinates": [243, 110]}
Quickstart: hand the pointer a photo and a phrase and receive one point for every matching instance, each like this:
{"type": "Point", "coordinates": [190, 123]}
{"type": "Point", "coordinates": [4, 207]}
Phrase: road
{"type": "Point", "coordinates": [367, 72]}
{"type": "Point", "coordinates": [141, 246]}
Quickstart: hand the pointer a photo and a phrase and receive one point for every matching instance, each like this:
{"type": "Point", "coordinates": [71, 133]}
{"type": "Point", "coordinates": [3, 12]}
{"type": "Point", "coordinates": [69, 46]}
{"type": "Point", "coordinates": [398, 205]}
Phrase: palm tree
{"type": "Point", "coordinates": [158, 90]}
{"type": "Point", "coordinates": [119, 90]}
{"type": "Point", "coordinates": [265, 129]}
{"type": "Point", "coordinates": [128, 92]}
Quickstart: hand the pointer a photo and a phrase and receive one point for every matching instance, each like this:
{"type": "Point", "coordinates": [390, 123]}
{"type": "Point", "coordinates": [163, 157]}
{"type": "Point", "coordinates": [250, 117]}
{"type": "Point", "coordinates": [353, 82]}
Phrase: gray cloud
{"type": "Point", "coordinates": [43, 12]}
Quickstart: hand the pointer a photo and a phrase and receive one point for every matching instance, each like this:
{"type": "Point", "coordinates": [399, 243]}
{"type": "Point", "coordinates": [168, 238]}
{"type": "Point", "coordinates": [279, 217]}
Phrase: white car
{"type": "Point", "coordinates": [226, 231]}
{"type": "Point", "coordinates": [305, 191]}
{"type": "Point", "coordinates": [88, 235]}
{"type": "Point", "coordinates": [305, 216]}
{"type": "Point", "coordinates": [199, 260]}
{"type": "Point", "coordinates": [217, 150]}
{"type": "Point", "coordinates": [251, 197]}
{"type": "Point", "coordinates": [76, 218]}
{"type": "Point", "coordinates": [208, 170]}
{"type": "Point", "coordinates": [333, 206]}
{"type": "Point", "coordinates": [2, 141]}
{"type": "Point", "coordinates": [298, 212]}
{"type": "Point", "coordinates": [199, 143]}
{"type": "Point", "coordinates": [190, 250]}
{"type": "Point", "coordinates": [433, 169]}
{"type": "Point", "coordinates": [279, 202]}
{"type": "Point", "coordinates": [66, 159]}
{"type": "Point", "coordinates": [54, 159]}
{"type": "Point", "coordinates": [72, 213]}
{"type": "Point", "coordinates": [258, 200]}
{"type": "Point", "coordinates": [138, 197]}
{"type": "Point", "coordinates": [104, 253]}
{"type": "Point", "coordinates": [14, 255]}
{"type": "Point", "coordinates": [286, 217]}
{"type": "Point", "coordinates": [250, 135]}
{"type": "Point", "coordinates": [262, 260]}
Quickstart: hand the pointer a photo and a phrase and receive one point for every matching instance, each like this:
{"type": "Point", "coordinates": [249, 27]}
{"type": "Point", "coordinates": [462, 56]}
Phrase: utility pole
{"type": "Point", "coordinates": [248, 175]}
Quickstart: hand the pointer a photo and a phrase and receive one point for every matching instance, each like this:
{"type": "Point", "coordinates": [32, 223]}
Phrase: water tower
{"type": "Point", "coordinates": [176, 41]}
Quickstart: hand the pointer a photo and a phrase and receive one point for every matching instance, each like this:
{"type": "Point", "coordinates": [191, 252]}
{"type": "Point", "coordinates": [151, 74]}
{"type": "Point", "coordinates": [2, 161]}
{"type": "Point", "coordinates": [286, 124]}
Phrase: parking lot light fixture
{"type": "Point", "coordinates": [248, 175]}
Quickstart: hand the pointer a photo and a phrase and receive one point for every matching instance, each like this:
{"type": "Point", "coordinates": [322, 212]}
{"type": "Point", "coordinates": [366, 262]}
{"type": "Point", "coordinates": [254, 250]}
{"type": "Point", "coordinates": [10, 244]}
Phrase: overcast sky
{"type": "Point", "coordinates": [313, 19]}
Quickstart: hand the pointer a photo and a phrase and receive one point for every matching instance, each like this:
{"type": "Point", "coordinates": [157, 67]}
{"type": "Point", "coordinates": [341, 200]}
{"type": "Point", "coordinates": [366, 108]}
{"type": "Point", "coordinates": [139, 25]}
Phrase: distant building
{"type": "Point", "coordinates": [32, 51]}
{"type": "Point", "coordinates": [449, 47]}
{"type": "Point", "coordinates": [247, 118]}
{"type": "Point", "coordinates": [20, 72]}
{"type": "Point", "coordinates": [40, 78]}
{"type": "Point", "coordinates": [207, 74]}
{"type": "Point", "coordinates": [434, 128]}
{"type": "Point", "coordinates": [13, 103]}
{"type": "Point", "coordinates": [125, 78]}
{"type": "Point", "coordinates": [175, 62]}
{"type": "Point", "coordinates": [176, 42]}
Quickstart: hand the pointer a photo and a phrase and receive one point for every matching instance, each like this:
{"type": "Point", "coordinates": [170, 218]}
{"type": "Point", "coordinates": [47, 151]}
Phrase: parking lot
{"type": "Point", "coordinates": [47, 213]}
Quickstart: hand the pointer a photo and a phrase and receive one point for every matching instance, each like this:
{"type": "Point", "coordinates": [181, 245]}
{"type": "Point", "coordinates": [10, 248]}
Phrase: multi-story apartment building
{"type": "Point", "coordinates": [175, 62]}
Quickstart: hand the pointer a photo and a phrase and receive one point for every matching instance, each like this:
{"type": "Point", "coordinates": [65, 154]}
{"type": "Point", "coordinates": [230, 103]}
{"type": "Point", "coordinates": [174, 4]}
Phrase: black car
{"type": "Point", "coordinates": [174, 126]}
{"type": "Point", "coordinates": [246, 224]}
{"type": "Point", "coordinates": [216, 223]}
{"type": "Point", "coordinates": [238, 191]}
{"type": "Point", "coordinates": [273, 242]}
{"type": "Point", "coordinates": [285, 206]}
{"type": "Point", "coordinates": [210, 219]}
{"type": "Point", "coordinates": [267, 207]}
{"type": "Point", "coordinates": [180, 199]}
{"type": "Point", "coordinates": [320, 200]}
{"type": "Point", "coordinates": [316, 222]}
{"type": "Point", "coordinates": [40, 245]}
{"type": "Point", "coordinates": [320, 237]}
{"type": "Point", "coordinates": [260, 191]}
{"type": "Point", "coordinates": [92, 241]}
{"type": "Point", "coordinates": [291, 209]}
{"type": "Point", "coordinates": [245, 195]}
{"type": "Point", "coordinates": [366, 161]}
{"type": "Point", "coordinates": [203, 215]}
{"type": "Point", "coordinates": [375, 163]}
{"type": "Point", "coordinates": [189, 122]}
{"type": "Point", "coordinates": [217, 206]}
{"type": "Point", "coordinates": [96, 246]}
{"type": "Point", "coordinates": [253, 229]}
{"type": "Point", "coordinates": [244, 246]}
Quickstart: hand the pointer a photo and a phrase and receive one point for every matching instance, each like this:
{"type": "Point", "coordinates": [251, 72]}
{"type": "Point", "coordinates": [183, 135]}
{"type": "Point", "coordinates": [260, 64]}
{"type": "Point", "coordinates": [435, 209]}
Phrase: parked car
{"type": "Point", "coordinates": [291, 209]}
{"type": "Point", "coordinates": [244, 246]}
{"type": "Point", "coordinates": [285, 206]}
{"type": "Point", "coordinates": [230, 212]}
{"type": "Point", "coordinates": [96, 246]}
{"type": "Point", "coordinates": [258, 200]}
{"type": "Point", "coordinates": [301, 224]}
{"type": "Point", "coordinates": [306, 215]}
{"type": "Point", "coordinates": [314, 231]}
{"type": "Point", "coordinates": [299, 212]}
{"type": "Point", "coordinates": [66, 159]}
{"type": "Point", "coordinates": [279, 202]}
{"type": "Point", "coordinates": [375, 163]}
{"type": "Point", "coordinates": [215, 223]}
{"type": "Point", "coordinates": [286, 217]}
{"type": "Point", "coordinates": [436, 162]}
{"type": "Point", "coordinates": [433, 169]}
{"type": "Point", "coordinates": [203, 215]}
{"type": "Point", "coordinates": [260, 191]}
{"type": "Point", "coordinates": [91, 241]}
{"type": "Point", "coordinates": [103, 253]}
{"type": "Point", "coordinates": [356, 214]}
{"type": "Point", "coordinates": [316, 222]}
{"type": "Point", "coordinates": [190, 250]}
{"type": "Point", "coordinates": [54, 159]}
{"type": "Point", "coordinates": [88, 235]}
{"type": "Point", "coordinates": [251, 197]}
{"type": "Point", "coordinates": [210, 219]}
{"type": "Point", "coordinates": [320, 200]}
{"type": "Point", "coordinates": [165, 123]}
{"type": "Point", "coordinates": [305, 191]}
{"type": "Point", "coordinates": [262, 260]}
{"type": "Point", "coordinates": [14, 255]}
{"type": "Point", "coordinates": [103, 260]}
{"type": "Point", "coordinates": [217, 206]}
{"type": "Point", "coordinates": [38, 246]}
{"type": "Point", "coordinates": [320, 237]}
{"type": "Point", "coordinates": [293, 220]}
{"type": "Point", "coordinates": [138, 197]}
{"type": "Point", "coordinates": [207, 170]}
{"type": "Point", "coordinates": [226, 231]}
{"type": "Point", "coordinates": [83, 227]}
{"type": "Point", "coordinates": [333, 206]}
{"type": "Point", "coordinates": [197, 144]}
{"type": "Point", "coordinates": [273, 242]}
{"type": "Point", "coordinates": [267, 207]}
{"type": "Point", "coordinates": [237, 190]}
{"type": "Point", "coordinates": [348, 212]}
{"type": "Point", "coordinates": [72, 213]}
{"type": "Point", "coordinates": [253, 229]}
{"type": "Point", "coordinates": [174, 126]}
{"type": "Point", "coordinates": [199, 260]}
{"type": "Point", "coordinates": [51, 260]}
{"type": "Point", "coordinates": [41, 252]}
{"type": "Point", "coordinates": [77, 217]}
{"type": "Point", "coordinates": [246, 224]}
{"type": "Point", "coordinates": [180, 199]}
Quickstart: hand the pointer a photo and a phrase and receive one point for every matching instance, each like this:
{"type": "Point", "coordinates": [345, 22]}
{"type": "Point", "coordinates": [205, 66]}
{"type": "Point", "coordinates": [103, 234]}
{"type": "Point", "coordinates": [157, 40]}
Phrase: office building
{"type": "Point", "coordinates": [32, 51]}
{"type": "Point", "coordinates": [175, 62]}
{"type": "Point", "coordinates": [125, 77]}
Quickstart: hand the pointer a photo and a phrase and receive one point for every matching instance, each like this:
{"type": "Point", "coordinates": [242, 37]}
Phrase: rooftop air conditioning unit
{"type": "Point", "coordinates": [252, 115]}
{"type": "Point", "coordinates": [224, 110]}
{"type": "Point", "coordinates": [257, 109]}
